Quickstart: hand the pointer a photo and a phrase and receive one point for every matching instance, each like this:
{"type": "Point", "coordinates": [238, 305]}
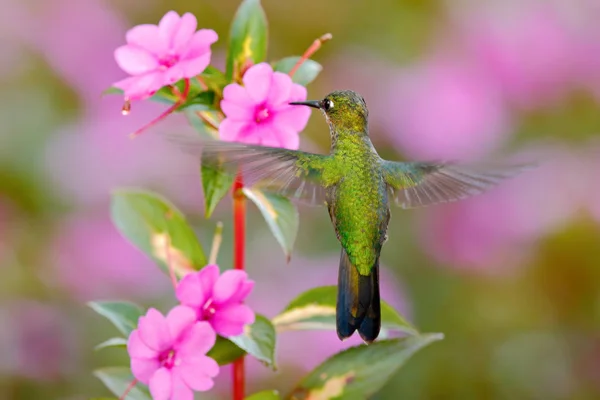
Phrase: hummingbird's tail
{"type": "Point", "coordinates": [358, 304]}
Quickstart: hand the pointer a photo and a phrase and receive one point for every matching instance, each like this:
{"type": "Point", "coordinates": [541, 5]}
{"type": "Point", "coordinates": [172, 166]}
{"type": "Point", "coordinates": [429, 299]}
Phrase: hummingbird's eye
{"type": "Point", "coordinates": [327, 105]}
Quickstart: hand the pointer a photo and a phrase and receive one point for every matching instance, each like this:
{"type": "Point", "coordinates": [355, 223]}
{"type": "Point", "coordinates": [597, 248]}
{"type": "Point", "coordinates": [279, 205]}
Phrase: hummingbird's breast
{"type": "Point", "coordinates": [359, 208]}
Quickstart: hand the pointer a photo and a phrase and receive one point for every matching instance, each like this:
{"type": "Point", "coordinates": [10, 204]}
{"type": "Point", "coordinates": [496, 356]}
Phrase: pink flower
{"type": "Point", "coordinates": [529, 48]}
{"type": "Point", "coordinates": [259, 113]}
{"type": "Point", "coordinates": [160, 55]}
{"type": "Point", "coordinates": [93, 260]}
{"type": "Point", "coordinates": [218, 299]}
{"type": "Point", "coordinates": [498, 231]}
{"type": "Point", "coordinates": [168, 354]}
{"type": "Point", "coordinates": [444, 109]}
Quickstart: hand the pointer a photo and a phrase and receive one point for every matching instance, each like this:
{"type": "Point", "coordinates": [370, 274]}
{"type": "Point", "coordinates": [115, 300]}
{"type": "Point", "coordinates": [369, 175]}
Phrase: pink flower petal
{"type": "Point", "coordinates": [265, 135]}
{"type": "Point", "coordinates": [135, 60]}
{"type": "Point", "coordinates": [195, 66]}
{"type": "Point", "coordinates": [237, 112]}
{"type": "Point", "coordinates": [199, 340]}
{"type": "Point", "coordinates": [154, 331]}
{"type": "Point", "coordinates": [294, 118]}
{"type": "Point", "coordinates": [147, 37]}
{"type": "Point", "coordinates": [199, 44]}
{"type": "Point", "coordinates": [140, 87]}
{"type": "Point", "coordinates": [144, 369]}
{"type": "Point", "coordinates": [290, 141]}
{"type": "Point", "coordinates": [243, 291]}
{"type": "Point", "coordinates": [189, 291]}
{"type": "Point", "coordinates": [232, 131]}
{"type": "Point", "coordinates": [281, 87]}
{"type": "Point", "coordinates": [288, 136]}
{"type": "Point", "coordinates": [257, 81]}
{"type": "Point", "coordinates": [184, 33]}
{"type": "Point", "coordinates": [227, 285]}
{"type": "Point", "coordinates": [238, 95]}
{"type": "Point", "coordinates": [180, 390]}
{"type": "Point", "coordinates": [167, 27]}
{"type": "Point", "coordinates": [179, 319]}
{"type": "Point", "coordinates": [298, 93]}
{"type": "Point", "coordinates": [198, 375]}
{"type": "Point", "coordinates": [137, 348]}
{"type": "Point", "coordinates": [172, 75]}
{"type": "Point", "coordinates": [260, 133]}
{"type": "Point", "coordinates": [208, 276]}
{"type": "Point", "coordinates": [230, 320]}
{"type": "Point", "coordinates": [161, 384]}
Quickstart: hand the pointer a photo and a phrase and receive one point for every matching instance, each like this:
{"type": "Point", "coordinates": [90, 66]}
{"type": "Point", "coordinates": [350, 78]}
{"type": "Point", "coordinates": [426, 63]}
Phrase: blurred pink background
{"type": "Point", "coordinates": [511, 277]}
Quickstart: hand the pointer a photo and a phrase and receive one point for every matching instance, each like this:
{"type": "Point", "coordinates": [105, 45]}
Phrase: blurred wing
{"type": "Point", "coordinates": [419, 184]}
{"type": "Point", "coordinates": [293, 174]}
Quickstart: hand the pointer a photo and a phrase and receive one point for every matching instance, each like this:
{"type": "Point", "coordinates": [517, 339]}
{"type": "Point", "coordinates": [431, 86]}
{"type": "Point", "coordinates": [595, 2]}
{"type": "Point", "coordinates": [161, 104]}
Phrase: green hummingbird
{"type": "Point", "coordinates": [357, 186]}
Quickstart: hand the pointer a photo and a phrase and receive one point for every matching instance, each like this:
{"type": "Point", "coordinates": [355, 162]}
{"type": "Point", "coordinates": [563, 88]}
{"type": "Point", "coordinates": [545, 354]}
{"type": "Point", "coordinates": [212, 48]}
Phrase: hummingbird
{"type": "Point", "coordinates": [358, 187]}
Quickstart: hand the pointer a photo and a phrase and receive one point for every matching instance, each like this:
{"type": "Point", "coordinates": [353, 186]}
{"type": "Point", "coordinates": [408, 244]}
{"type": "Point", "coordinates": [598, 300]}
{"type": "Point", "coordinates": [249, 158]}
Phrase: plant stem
{"type": "Point", "coordinates": [169, 264]}
{"type": "Point", "coordinates": [181, 97]}
{"type": "Point", "coordinates": [216, 244]}
{"type": "Point", "coordinates": [316, 45]}
{"type": "Point", "coordinates": [239, 232]}
{"type": "Point", "coordinates": [128, 389]}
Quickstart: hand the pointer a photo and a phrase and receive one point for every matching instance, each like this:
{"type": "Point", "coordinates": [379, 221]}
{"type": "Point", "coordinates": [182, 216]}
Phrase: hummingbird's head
{"type": "Point", "coordinates": [342, 109]}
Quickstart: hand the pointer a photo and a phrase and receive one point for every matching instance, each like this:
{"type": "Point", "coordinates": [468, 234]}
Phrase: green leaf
{"type": "Point", "coordinates": [225, 351]}
{"type": "Point", "coordinates": [194, 113]}
{"type": "Point", "coordinates": [122, 314]}
{"type": "Point", "coordinates": [214, 79]}
{"type": "Point", "coordinates": [196, 95]}
{"type": "Point", "coordinates": [216, 183]}
{"type": "Point", "coordinates": [158, 229]}
{"type": "Point", "coordinates": [315, 309]}
{"type": "Point", "coordinates": [247, 39]}
{"type": "Point", "coordinates": [361, 371]}
{"type": "Point", "coordinates": [258, 340]}
{"type": "Point", "coordinates": [165, 94]}
{"type": "Point", "coordinates": [112, 342]}
{"type": "Point", "coordinates": [265, 395]}
{"type": "Point", "coordinates": [206, 98]}
{"type": "Point", "coordinates": [281, 216]}
{"type": "Point", "coordinates": [305, 74]}
{"type": "Point", "coordinates": [118, 379]}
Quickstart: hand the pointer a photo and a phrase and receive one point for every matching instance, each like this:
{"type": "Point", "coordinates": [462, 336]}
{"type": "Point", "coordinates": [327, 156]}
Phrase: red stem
{"type": "Point", "coordinates": [316, 45]}
{"type": "Point", "coordinates": [239, 232]}
{"type": "Point", "coordinates": [181, 97]}
{"type": "Point", "coordinates": [128, 389]}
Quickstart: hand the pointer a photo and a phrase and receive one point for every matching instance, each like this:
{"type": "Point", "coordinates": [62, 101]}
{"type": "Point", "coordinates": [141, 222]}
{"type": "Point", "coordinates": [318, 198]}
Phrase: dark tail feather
{"type": "Point", "coordinates": [358, 305]}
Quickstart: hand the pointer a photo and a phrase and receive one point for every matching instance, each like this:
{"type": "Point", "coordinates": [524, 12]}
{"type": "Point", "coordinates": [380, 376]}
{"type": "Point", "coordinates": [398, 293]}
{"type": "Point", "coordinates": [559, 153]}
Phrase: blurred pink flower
{"type": "Point", "coordinates": [528, 48]}
{"type": "Point", "coordinates": [93, 260]}
{"type": "Point", "coordinates": [38, 341]}
{"type": "Point", "coordinates": [259, 113]}
{"type": "Point", "coordinates": [444, 110]}
{"type": "Point", "coordinates": [498, 231]}
{"type": "Point", "coordinates": [218, 299]}
{"type": "Point", "coordinates": [160, 55]}
{"type": "Point", "coordinates": [592, 166]}
{"type": "Point", "coordinates": [169, 354]}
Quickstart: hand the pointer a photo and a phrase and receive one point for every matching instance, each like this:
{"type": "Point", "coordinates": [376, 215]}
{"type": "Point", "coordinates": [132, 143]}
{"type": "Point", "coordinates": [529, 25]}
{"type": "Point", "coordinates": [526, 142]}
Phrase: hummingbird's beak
{"type": "Point", "coordinates": [310, 103]}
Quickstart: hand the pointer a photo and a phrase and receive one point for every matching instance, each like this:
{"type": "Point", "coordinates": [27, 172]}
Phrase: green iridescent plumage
{"type": "Point", "coordinates": [357, 186]}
